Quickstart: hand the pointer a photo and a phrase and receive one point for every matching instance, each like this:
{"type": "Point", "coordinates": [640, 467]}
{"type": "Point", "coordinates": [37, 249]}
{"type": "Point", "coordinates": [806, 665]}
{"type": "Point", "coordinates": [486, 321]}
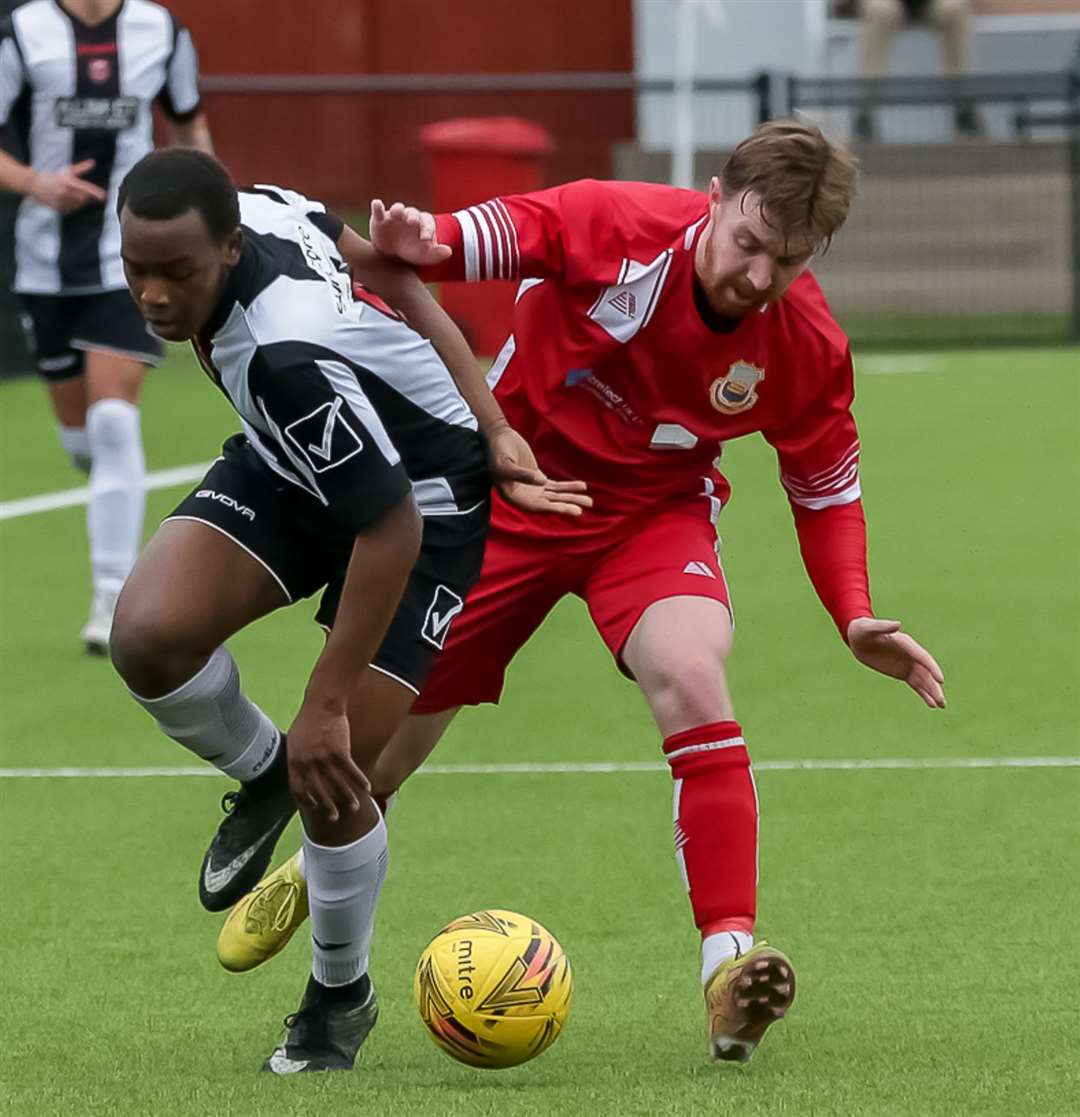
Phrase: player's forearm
{"type": "Point", "coordinates": [833, 545]}
{"type": "Point", "coordinates": [193, 133]}
{"type": "Point", "coordinates": [382, 560]}
{"type": "Point", "coordinates": [15, 176]}
{"type": "Point", "coordinates": [403, 290]}
{"type": "Point", "coordinates": [429, 319]}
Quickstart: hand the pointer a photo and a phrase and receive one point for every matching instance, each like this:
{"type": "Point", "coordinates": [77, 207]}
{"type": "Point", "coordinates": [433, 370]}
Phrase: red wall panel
{"type": "Point", "coordinates": [347, 147]}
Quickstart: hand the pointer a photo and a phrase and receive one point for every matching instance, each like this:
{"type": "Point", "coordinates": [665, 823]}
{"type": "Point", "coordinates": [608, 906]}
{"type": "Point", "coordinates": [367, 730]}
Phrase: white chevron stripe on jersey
{"type": "Point", "coordinates": [852, 451]}
{"type": "Point", "coordinates": [816, 503]}
{"type": "Point", "coordinates": [526, 285]}
{"type": "Point", "coordinates": [688, 238]}
{"type": "Point", "coordinates": [836, 476]}
{"type": "Point", "coordinates": [498, 366]}
{"type": "Point", "coordinates": [839, 482]}
{"type": "Point", "coordinates": [716, 505]}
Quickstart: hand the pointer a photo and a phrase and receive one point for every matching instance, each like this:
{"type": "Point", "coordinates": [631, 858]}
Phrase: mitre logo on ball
{"type": "Point", "coordinates": [738, 390]}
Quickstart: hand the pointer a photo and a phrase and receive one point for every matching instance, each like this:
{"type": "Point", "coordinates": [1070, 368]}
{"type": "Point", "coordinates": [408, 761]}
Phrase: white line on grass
{"type": "Point", "coordinates": [69, 498]}
{"type": "Point", "coordinates": [597, 768]}
{"type": "Point", "coordinates": [895, 364]}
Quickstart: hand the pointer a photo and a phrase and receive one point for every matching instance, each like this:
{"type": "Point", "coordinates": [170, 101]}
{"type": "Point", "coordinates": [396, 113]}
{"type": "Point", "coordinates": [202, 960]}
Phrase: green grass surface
{"type": "Point", "coordinates": [909, 328]}
{"type": "Point", "coordinates": [932, 915]}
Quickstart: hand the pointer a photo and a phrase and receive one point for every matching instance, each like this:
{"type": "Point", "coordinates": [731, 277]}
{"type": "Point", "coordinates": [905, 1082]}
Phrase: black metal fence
{"type": "Point", "coordinates": [963, 242]}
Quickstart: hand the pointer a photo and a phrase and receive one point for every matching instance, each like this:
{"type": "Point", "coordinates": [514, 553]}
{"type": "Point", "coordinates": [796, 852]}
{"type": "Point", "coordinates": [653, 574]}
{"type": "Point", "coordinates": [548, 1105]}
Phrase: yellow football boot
{"type": "Point", "coordinates": [743, 997]}
{"type": "Point", "coordinates": [264, 920]}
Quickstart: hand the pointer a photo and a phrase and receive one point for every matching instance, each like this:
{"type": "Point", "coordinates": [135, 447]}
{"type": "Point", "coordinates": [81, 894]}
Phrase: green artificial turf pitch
{"type": "Point", "coordinates": [932, 914]}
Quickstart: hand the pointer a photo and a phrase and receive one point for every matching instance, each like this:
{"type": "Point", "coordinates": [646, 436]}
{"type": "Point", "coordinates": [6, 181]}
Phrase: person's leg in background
{"type": "Point", "coordinates": [92, 351]}
{"type": "Point", "coordinates": [114, 515]}
{"type": "Point", "coordinates": [953, 20]}
{"type": "Point", "coordinates": [881, 20]}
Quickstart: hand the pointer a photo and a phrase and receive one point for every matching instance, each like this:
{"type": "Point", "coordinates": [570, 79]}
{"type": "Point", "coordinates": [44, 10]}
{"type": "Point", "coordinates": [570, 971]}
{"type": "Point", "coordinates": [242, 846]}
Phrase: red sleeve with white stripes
{"type": "Point", "coordinates": [566, 232]}
{"type": "Point", "coordinates": [819, 469]}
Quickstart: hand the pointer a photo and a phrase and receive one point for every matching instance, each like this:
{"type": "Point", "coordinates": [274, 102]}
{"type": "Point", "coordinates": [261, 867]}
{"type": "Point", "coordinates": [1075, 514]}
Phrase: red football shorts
{"type": "Point", "coordinates": [670, 554]}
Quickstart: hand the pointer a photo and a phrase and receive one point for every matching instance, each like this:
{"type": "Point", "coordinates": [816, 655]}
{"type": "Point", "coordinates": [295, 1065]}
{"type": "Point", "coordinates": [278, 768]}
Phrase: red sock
{"type": "Point", "coordinates": [716, 824]}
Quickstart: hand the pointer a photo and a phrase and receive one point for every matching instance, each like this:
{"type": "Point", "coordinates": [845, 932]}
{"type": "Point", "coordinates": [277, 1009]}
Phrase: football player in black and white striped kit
{"type": "Point", "coordinates": [363, 472]}
{"type": "Point", "coordinates": [78, 81]}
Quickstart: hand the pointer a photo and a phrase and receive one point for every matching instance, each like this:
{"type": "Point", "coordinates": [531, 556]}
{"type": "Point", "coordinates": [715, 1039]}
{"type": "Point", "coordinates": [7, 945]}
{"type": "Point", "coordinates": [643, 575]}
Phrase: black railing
{"type": "Point", "coordinates": [982, 89]}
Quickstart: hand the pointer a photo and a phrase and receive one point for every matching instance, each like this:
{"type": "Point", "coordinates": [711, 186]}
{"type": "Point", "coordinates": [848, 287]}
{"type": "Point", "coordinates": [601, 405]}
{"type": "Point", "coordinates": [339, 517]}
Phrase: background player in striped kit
{"type": "Point", "coordinates": [78, 80]}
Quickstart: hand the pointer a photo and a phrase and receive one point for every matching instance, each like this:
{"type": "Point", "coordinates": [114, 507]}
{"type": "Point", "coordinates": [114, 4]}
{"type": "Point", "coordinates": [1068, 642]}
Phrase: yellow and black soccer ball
{"type": "Point", "coordinates": [493, 989]}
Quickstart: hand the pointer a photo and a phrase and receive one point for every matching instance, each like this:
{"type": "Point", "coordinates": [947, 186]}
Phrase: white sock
{"type": "Point", "coordinates": [114, 516]}
{"type": "Point", "coordinates": [300, 861]}
{"type": "Point", "coordinates": [211, 716]}
{"type": "Point", "coordinates": [77, 444]}
{"type": "Point", "coordinates": [720, 947]}
{"type": "Point", "coordinates": [343, 889]}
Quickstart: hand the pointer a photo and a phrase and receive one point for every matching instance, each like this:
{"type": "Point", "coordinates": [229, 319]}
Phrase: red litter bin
{"type": "Point", "coordinates": [471, 160]}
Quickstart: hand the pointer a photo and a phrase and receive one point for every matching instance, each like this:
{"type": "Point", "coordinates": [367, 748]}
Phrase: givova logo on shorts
{"type": "Point", "coordinates": [444, 607]}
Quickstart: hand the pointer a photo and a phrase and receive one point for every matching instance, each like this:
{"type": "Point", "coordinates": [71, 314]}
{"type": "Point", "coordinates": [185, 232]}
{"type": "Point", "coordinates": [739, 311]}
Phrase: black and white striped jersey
{"type": "Point", "coordinates": [337, 394]}
{"type": "Point", "coordinates": [76, 92]}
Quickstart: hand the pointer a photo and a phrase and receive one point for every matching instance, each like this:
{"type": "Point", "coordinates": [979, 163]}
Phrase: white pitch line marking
{"type": "Point", "coordinates": [69, 498]}
{"type": "Point", "coordinates": [894, 764]}
{"type": "Point", "coordinates": [897, 364]}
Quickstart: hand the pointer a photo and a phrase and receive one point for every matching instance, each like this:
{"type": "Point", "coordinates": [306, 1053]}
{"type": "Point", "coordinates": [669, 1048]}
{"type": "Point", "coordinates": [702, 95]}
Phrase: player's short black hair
{"type": "Point", "coordinates": [169, 182]}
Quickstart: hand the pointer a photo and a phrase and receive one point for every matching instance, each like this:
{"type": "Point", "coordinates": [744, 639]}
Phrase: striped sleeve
{"type": "Point", "coordinates": [179, 96]}
{"type": "Point", "coordinates": [819, 469]}
{"type": "Point", "coordinates": [818, 450]}
{"type": "Point", "coordinates": [484, 242]}
{"type": "Point", "coordinates": [12, 74]}
{"type": "Point", "coordinates": [489, 240]}
{"type": "Point", "coordinates": [838, 483]}
{"type": "Point", "coordinates": [566, 233]}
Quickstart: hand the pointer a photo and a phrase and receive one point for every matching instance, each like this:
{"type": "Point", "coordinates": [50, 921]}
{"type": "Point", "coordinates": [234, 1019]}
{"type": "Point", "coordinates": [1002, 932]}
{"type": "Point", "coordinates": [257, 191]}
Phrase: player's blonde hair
{"type": "Point", "coordinates": [806, 183]}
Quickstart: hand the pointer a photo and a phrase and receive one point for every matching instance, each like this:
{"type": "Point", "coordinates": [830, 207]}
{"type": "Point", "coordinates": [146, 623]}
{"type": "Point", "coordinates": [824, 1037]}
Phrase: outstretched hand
{"type": "Point", "coordinates": [407, 233]}
{"type": "Point", "coordinates": [881, 645]}
{"type": "Point", "coordinates": [516, 476]}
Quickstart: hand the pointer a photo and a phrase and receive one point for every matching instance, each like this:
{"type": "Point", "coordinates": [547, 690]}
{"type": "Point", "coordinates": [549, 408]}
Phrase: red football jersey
{"type": "Point", "coordinates": [613, 375]}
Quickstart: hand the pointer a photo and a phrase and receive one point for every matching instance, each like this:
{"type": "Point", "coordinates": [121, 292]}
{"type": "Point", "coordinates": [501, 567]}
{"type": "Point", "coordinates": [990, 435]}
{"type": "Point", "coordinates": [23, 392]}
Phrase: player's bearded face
{"type": "Point", "coordinates": [742, 262]}
{"type": "Point", "coordinates": [175, 270]}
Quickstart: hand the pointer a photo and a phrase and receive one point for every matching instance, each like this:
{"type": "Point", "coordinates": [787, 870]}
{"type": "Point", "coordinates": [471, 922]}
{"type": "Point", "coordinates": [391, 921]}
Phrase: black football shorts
{"type": "Point", "coordinates": [306, 550]}
{"type": "Point", "coordinates": [66, 326]}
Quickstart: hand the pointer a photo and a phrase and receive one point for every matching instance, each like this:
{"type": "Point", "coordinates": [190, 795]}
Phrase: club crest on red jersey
{"type": "Point", "coordinates": [738, 390]}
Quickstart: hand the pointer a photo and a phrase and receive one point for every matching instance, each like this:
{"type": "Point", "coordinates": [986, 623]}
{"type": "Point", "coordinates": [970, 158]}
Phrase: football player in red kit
{"type": "Point", "coordinates": [653, 325]}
